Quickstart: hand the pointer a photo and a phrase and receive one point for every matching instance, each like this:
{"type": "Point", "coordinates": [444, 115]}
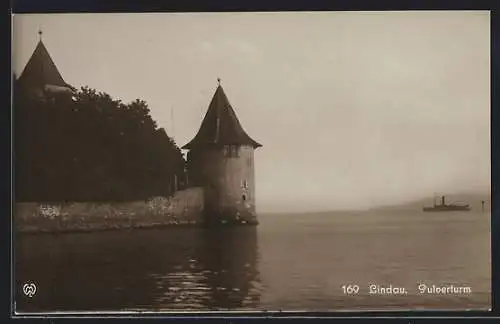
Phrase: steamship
{"type": "Point", "coordinates": [444, 207]}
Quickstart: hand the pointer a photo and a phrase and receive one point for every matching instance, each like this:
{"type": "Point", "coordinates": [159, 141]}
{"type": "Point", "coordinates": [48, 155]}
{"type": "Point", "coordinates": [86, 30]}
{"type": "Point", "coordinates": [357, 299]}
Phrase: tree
{"type": "Point", "coordinates": [92, 148]}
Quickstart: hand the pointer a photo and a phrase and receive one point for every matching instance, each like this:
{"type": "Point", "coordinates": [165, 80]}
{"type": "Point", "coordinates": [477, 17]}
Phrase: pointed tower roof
{"type": "Point", "coordinates": [41, 71]}
{"type": "Point", "coordinates": [220, 125]}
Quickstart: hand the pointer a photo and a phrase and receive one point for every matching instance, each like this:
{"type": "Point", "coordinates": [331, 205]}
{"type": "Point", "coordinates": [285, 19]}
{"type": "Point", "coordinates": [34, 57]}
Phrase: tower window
{"type": "Point", "coordinates": [244, 197]}
{"type": "Point", "coordinates": [234, 151]}
{"type": "Point", "coordinates": [231, 151]}
{"type": "Point", "coordinates": [245, 184]}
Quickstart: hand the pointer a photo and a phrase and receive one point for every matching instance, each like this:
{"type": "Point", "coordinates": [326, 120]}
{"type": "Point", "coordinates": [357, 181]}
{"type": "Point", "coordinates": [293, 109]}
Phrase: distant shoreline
{"type": "Point", "coordinates": [473, 199]}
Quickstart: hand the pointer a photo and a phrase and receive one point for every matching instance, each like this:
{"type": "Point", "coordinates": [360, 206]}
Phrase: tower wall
{"type": "Point", "coordinates": [227, 175]}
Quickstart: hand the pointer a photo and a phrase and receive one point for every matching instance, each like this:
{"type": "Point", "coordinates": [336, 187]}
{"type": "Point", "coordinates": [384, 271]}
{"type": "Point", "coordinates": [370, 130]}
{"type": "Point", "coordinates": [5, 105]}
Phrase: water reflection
{"type": "Point", "coordinates": [230, 257]}
{"type": "Point", "coordinates": [178, 268]}
{"type": "Point", "coordinates": [189, 268]}
{"type": "Point", "coordinates": [221, 273]}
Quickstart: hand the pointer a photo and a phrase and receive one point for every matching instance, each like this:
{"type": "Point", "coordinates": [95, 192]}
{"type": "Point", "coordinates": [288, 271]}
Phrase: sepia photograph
{"type": "Point", "coordinates": [251, 161]}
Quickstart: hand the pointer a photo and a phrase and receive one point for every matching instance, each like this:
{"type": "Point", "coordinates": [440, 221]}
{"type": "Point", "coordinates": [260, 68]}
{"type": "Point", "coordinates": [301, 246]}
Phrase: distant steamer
{"type": "Point", "coordinates": [444, 207]}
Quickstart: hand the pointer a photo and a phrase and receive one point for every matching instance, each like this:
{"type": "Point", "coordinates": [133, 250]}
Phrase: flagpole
{"type": "Point", "coordinates": [172, 121]}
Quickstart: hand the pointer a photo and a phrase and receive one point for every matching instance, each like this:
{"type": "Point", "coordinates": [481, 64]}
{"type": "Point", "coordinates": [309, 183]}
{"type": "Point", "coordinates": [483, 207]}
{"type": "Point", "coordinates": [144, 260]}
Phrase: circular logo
{"type": "Point", "coordinates": [29, 289]}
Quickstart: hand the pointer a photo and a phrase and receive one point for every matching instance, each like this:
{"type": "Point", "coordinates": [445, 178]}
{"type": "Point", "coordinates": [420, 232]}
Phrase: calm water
{"type": "Point", "coordinates": [288, 262]}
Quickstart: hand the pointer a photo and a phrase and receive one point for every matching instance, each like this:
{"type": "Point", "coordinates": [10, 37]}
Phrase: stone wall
{"type": "Point", "coordinates": [185, 207]}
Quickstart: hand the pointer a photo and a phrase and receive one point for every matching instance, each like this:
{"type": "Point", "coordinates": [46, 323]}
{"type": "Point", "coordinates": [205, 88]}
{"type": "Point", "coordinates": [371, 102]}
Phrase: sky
{"type": "Point", "coordinates": [353, 109]}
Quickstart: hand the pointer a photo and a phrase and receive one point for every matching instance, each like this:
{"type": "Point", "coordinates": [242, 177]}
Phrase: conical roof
{"type": "Point", "coordinates": [220, 125]}
{"type": "Point", "coordinates": [41, 72]}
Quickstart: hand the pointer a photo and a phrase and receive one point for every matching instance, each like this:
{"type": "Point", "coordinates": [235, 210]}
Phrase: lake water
{"type": "Point", "coordinates": [288, 262]}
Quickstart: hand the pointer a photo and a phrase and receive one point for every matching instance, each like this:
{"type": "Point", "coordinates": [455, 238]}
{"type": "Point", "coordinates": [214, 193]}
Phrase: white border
{"type": "Point", "coordinates": [261, 314]}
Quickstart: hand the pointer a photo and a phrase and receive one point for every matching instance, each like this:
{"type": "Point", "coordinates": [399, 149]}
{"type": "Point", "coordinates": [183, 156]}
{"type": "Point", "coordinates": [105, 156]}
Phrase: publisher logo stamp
{"type": "Point", "coordinates": [29, 289]}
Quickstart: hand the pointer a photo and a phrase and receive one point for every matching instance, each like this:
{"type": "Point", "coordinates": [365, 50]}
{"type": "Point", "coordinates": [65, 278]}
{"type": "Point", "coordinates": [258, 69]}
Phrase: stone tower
{"type": "Point", "coordinates": [221, 160]}
{"type": "Point", "coordinates": [41, 77]}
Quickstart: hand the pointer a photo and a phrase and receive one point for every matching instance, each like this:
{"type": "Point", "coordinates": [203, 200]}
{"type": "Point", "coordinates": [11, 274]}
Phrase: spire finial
{"type": "Point", "coordinates": [40, 32]}
{"type": "Point", "coordinates": [218, 81]}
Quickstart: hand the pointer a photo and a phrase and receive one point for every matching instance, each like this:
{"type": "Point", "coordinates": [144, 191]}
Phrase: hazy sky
{"type": "Point", "coordinates": [352, 108]}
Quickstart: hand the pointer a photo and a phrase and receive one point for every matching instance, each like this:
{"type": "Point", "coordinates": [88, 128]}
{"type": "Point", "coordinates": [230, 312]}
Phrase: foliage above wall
{"type": "Point", "coordinates": [91, 148]}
